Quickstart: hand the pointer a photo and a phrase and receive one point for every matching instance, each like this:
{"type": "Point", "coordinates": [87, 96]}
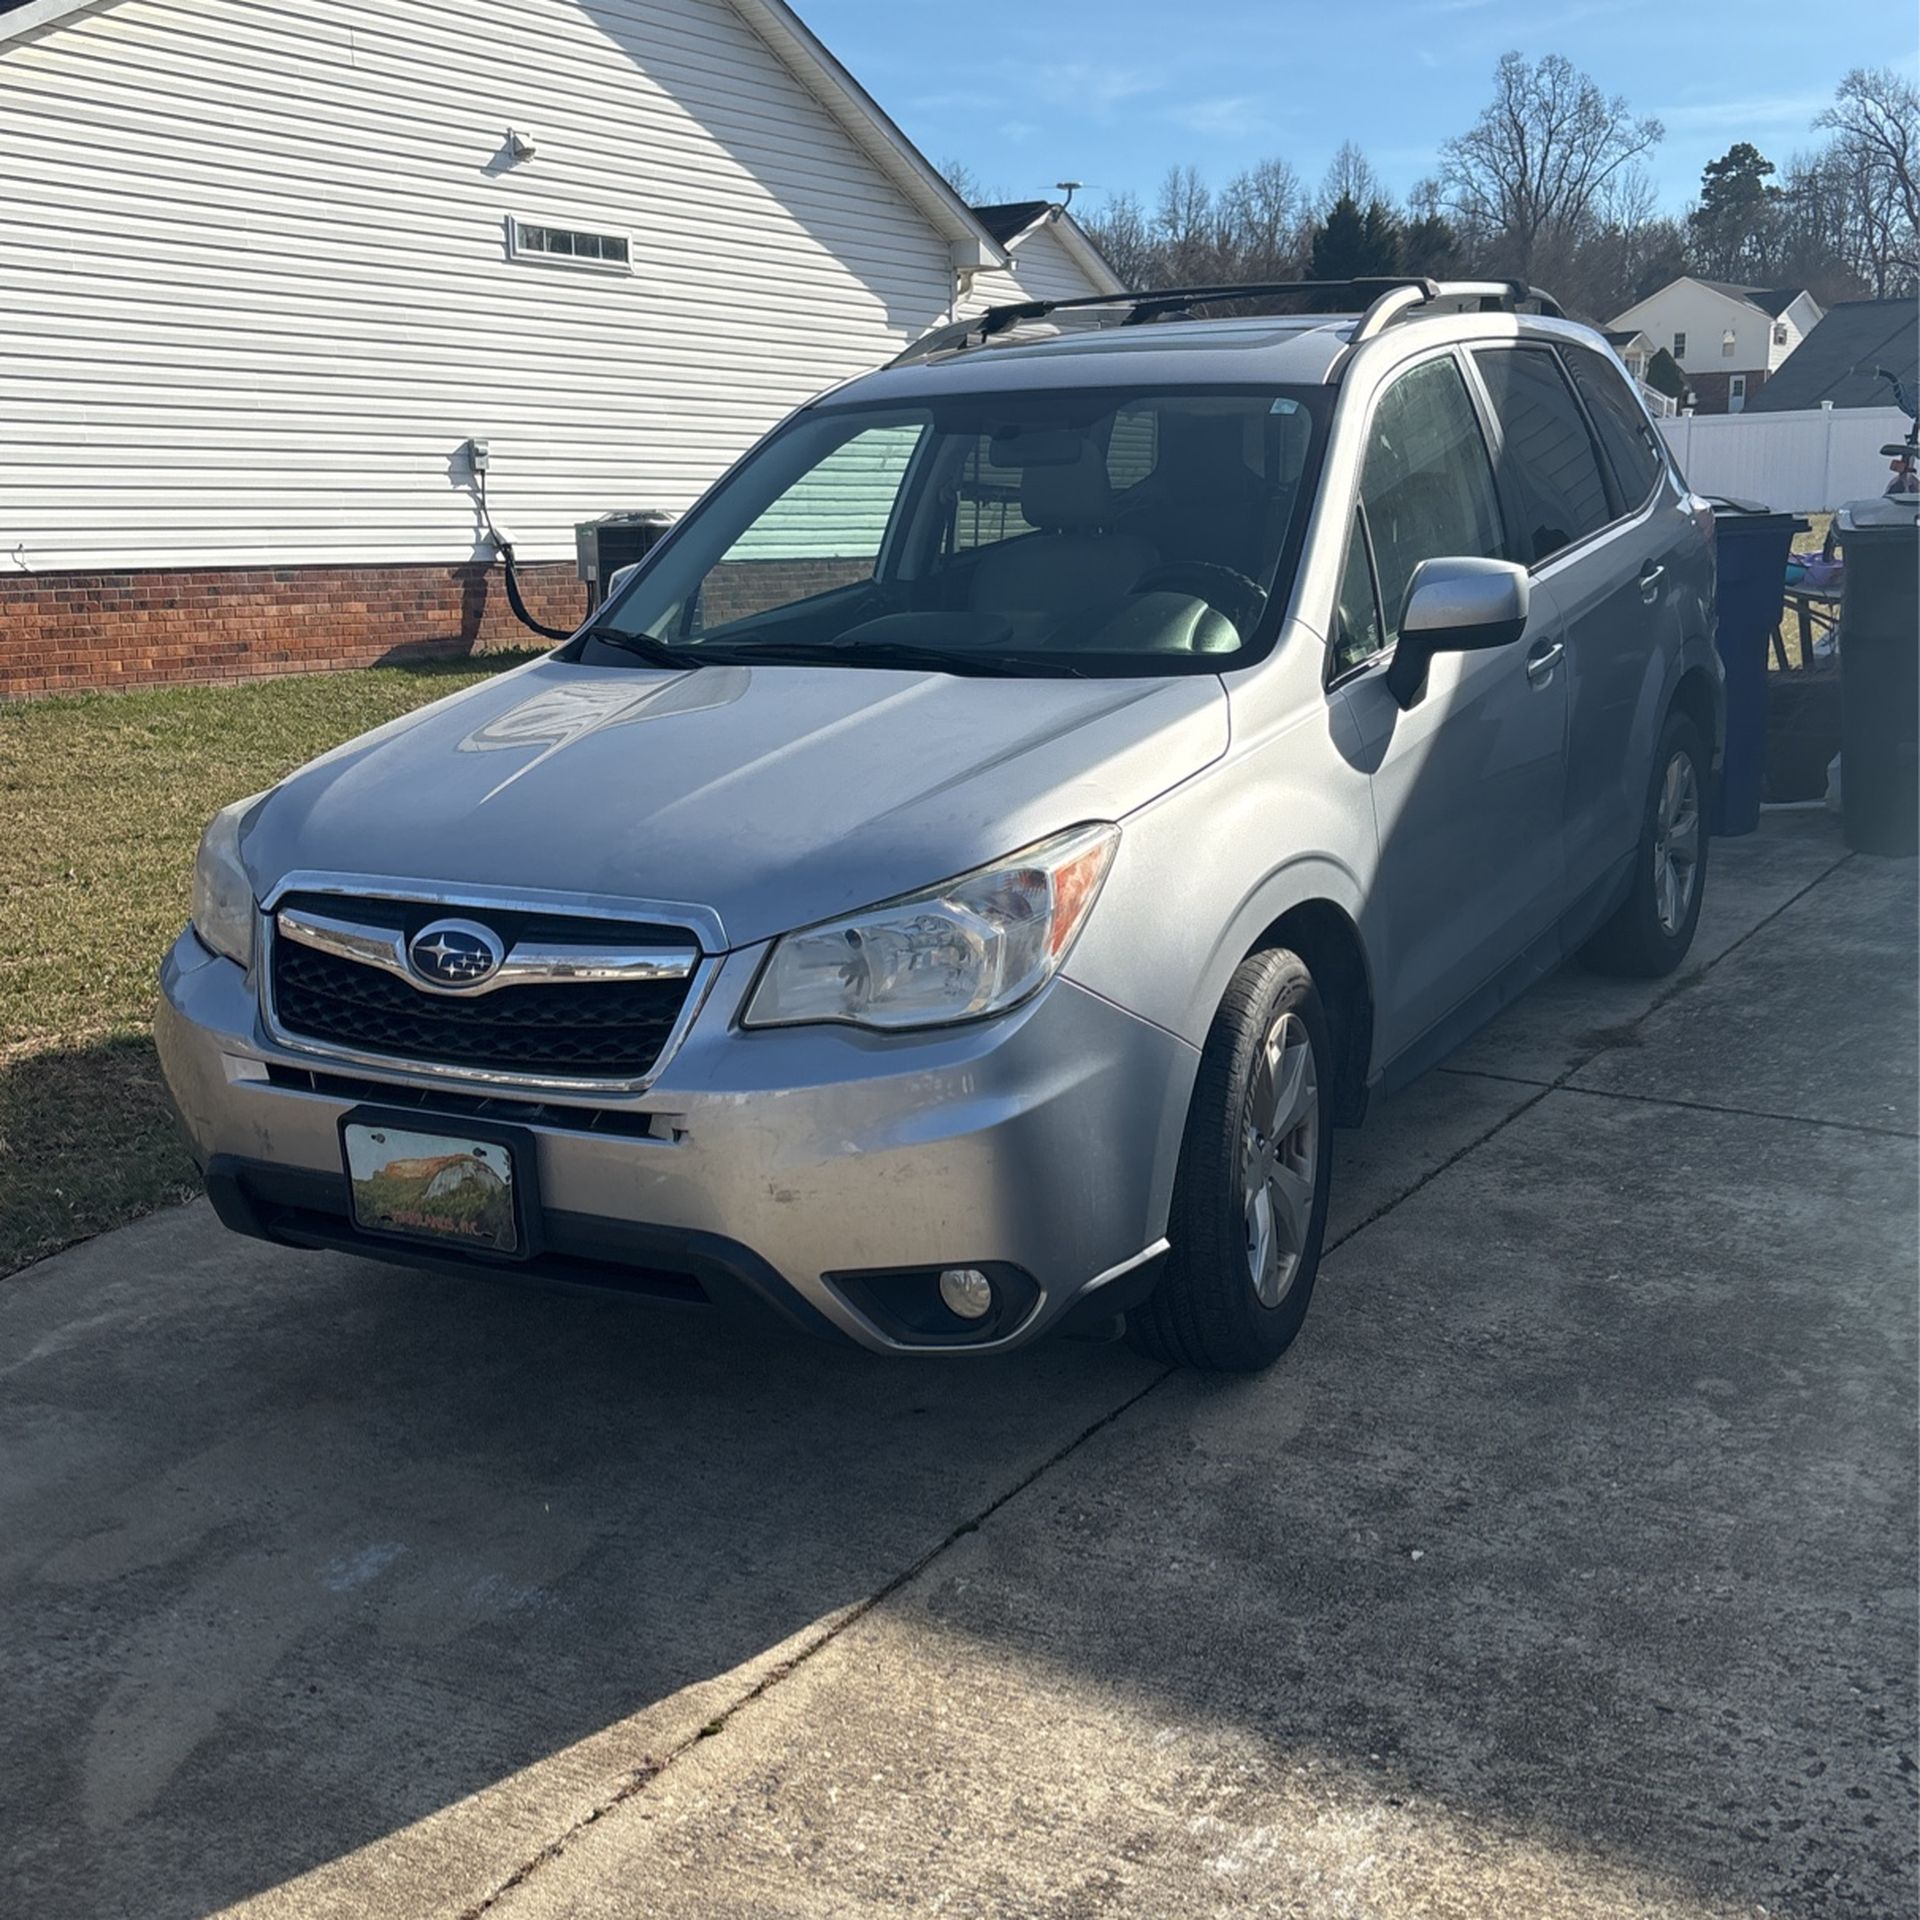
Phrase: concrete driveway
{"type": "Point", "coordinates": [1566, 1566]}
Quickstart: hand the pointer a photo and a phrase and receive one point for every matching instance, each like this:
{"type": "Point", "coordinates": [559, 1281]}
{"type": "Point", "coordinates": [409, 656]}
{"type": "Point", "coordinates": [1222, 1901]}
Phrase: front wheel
{"type": "Point", "coordinates": [1250, 1197]}
{"type": "Point", "coordinates": [1650, 934]}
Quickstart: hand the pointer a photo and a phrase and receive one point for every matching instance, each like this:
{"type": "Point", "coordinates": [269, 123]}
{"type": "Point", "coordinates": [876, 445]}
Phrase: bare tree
{"type": "Point", "coordinates": [1537, 160]}
{"type": "Point", "coordinates": [1351, 173]}
{"type": "Point", "coordinates": [963, 180]}
{"type": "Point", "coordinates": [1875, 121]}
{"type": "Point", "coordinates": [1263, 214]}
{"type": "Point", "coordinates": [1815, 242]}
{"type": "Point", "coordinates": [1186, 227]}
{"type": "Point", "coordinates": [1122, 233]}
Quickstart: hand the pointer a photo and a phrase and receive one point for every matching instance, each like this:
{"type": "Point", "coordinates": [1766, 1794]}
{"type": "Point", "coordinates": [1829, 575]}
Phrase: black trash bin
{"type": "Point", "coordinates": [1751, 544]}
{"type": "Point", "coordinates": [1880, 675]}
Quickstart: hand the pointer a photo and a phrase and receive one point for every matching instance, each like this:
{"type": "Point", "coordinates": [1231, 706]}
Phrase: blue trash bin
{"type": "Point", "coordinates": [1751, 544]}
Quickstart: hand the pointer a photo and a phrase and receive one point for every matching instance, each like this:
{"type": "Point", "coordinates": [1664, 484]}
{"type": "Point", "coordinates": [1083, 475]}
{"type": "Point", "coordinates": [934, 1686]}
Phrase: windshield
{"type": "Point", "coordinates": [1055, 532]}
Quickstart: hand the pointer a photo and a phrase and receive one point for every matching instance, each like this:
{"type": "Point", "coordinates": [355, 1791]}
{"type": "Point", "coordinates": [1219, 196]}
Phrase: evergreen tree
{"type": "Point", "coordinates": [1733, 226]}
{"type": "Point", "coordinates": [1429, 245]}
{"type": "Point", "coordinates": [1355, 245]}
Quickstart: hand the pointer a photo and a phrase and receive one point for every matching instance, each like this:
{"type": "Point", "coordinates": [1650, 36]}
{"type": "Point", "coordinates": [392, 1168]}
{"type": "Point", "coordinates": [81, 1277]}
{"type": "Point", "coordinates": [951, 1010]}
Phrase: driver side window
{"type": "Point", "coordinates": [1427, 485]}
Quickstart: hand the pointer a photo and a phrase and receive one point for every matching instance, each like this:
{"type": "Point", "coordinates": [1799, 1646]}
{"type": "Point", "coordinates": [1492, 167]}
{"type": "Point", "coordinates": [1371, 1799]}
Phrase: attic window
{"type": "Point", "coordinates": [1780, 333]}
{"type": "Point", "coordinates": [1727, 344]}
{"type": "Point", "coordinates": [569, 246]}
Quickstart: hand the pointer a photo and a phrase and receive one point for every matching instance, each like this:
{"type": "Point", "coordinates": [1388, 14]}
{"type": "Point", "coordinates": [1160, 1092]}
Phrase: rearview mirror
{"type": "Point", "coordinates": [1461, 605]}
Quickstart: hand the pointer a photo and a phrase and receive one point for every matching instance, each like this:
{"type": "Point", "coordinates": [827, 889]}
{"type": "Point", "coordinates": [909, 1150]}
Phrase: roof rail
{"type": "Point", "coordinates": [1495, 296]}
{"type": "Point", "coordinates": [1387, 296]}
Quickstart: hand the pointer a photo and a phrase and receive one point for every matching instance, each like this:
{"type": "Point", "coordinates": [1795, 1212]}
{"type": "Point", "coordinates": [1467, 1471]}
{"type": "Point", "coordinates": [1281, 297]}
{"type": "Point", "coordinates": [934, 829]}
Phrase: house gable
{"type": "Point", "coordinates": [260, 289]}
{"type": "Point", "coordinates": [812, 65]}
{"type": "Point", "coordinates": [1053, 257]}
{"type": "Point", "coordinates": [1713, 329]}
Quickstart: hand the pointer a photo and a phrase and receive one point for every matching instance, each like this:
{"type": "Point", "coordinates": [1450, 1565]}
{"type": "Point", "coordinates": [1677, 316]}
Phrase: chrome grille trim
{"type": "Point", "coordinates": [701, 969]}
{"type": "Point", "coordinates": [702, 923]}
{"type": "Point", "coordinates": [524, 965]}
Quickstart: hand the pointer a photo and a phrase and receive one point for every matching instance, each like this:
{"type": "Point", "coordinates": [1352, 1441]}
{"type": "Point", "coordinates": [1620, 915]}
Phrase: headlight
{"type": "Point", "coordinates": [975, 946]}
{"type": "Point", "coordinates": [222, 893]}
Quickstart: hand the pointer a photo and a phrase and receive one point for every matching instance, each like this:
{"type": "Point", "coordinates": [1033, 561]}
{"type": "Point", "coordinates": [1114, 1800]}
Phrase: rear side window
{"type": "Point", "coordinates": [1426, 488]}
{"type": "Point", "coordinates": [1625, 431]}
{"type": "Point", "coordinates": [1547, 457]}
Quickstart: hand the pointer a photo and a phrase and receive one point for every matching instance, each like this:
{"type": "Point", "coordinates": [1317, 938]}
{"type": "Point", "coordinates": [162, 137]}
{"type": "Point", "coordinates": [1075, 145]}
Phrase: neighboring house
{"type": "Point", "coordinates": [1634, 348]}
{"type": "Point", "coordinates": [1837, 360]}
{"type": "Point", "coordinates": [1728, 340]}
{"type": "Point", "coordinates": [1637, 351]}
{"type": "Point", "coordinates": [267, 269]}
{"type": "Point", "coordinates": [1053, 256]}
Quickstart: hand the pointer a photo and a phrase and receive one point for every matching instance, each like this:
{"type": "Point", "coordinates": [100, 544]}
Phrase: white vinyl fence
{"type": "Point", "coordinates": [1803, 462]}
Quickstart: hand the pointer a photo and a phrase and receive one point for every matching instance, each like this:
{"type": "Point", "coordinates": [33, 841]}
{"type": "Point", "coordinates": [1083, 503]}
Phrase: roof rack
{"type": "Point", "coordinates": [1387, 298]}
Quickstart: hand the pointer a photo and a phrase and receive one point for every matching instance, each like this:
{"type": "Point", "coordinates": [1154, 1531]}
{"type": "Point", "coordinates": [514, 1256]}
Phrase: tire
{"type": "Point", "coordinates": [1208, 1310]}
{"type": "Point", "coordinates": [1644, 938]}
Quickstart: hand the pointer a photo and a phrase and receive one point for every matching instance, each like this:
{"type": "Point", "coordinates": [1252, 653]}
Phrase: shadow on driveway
{"type": "Point", "coordinates": [310, 1567]}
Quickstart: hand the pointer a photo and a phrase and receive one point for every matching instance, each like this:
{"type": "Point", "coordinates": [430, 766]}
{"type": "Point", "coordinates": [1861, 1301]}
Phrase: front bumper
{"type": "Point", "coordinates": [758, 1164]}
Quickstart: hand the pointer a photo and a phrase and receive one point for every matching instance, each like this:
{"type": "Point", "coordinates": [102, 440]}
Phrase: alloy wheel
{"type": "Point", "coordinates": [1676, 845]}
{"type": "Point", "coordinates": [1280, 1157]}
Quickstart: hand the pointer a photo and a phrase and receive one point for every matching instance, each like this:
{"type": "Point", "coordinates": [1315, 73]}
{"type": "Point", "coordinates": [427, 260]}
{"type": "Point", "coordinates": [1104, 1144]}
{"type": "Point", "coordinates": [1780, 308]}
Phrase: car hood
{"type": "Point", "coordinates": [771, 796]}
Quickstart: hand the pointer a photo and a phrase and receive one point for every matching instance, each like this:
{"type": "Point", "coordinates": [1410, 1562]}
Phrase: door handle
{"type": "Point", "coordinates": [1543, 659]}
{"type": "Point", "coordinates": [1650, 577]}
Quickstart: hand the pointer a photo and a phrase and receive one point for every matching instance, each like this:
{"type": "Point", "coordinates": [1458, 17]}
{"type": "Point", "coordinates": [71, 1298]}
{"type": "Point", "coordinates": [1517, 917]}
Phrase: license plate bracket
{"type": "Point", "coordinates": [441, 1181]}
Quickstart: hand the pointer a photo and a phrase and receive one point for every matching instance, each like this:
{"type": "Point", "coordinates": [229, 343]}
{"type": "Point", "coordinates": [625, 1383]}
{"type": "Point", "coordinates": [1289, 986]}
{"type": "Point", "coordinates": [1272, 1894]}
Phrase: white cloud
{"type": "Point", "coordinates": [1233, 113]}
{"type": "Point", "coordinates": [1771, 110]}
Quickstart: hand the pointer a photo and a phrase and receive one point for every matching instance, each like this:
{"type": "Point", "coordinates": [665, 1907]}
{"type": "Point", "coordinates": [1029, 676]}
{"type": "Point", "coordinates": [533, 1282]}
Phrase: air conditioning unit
{"type": "Point", "coordinates": [615, 541]}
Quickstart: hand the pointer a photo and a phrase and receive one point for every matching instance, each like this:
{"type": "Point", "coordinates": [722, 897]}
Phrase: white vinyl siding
{"type": "Point", "coordinates": [255, 289]}
{"type": "Point", "coordinates": [1046, 270]}
{"type": "Point", "coordinates": [1042, 270]}
{"type": "Point", "coordinates": [839, 510]}
{"type": "Point", "coordinates": [1705, 316]}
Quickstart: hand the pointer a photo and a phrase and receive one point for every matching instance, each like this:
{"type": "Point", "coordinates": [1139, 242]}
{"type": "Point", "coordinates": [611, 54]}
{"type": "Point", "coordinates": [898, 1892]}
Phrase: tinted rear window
{"type": "Point", "coordinates": [1624, 429]}
{"type": "Point", "coordinates": [1547, 457]}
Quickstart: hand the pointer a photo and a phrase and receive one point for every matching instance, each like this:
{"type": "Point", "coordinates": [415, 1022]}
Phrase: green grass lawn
{"type": "Point", "coordinates": [102, 798]}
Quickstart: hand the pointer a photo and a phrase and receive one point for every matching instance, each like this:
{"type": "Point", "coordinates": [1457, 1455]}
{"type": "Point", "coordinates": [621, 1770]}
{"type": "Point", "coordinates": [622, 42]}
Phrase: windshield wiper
{"type": "Point", "coordinates": [892, 653]}
{"type": "Point", "coordinates": [659, 653]}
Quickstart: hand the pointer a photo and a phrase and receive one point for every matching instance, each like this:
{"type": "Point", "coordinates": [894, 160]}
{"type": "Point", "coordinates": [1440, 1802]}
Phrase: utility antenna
{"type": "Point", "coordinates": [1069, 188]}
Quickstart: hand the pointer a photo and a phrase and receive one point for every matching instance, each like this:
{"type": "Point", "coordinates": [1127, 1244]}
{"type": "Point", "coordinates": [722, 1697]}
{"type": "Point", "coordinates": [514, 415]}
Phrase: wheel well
{"type": "Point", "coordinates": [1694, 697]}
{"type": "Point", "coordinates": [1322, 935]}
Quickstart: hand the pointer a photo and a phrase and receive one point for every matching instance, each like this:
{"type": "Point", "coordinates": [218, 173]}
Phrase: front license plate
{"type": "Point", "coordinates": [450, 1188]}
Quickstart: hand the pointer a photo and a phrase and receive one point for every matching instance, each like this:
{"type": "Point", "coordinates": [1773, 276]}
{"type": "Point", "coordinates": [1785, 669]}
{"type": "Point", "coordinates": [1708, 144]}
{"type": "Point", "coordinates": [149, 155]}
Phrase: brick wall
{"type": "Point", "coordinates": [1711, 390]}
{"type": "Point", "coordinates": [65, 631]}
{"type": "Point", "coordinates": [736, 588]}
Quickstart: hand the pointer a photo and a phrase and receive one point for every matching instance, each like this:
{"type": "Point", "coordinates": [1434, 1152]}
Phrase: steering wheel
{"type": "Point", "coordinates": [1226, 590]}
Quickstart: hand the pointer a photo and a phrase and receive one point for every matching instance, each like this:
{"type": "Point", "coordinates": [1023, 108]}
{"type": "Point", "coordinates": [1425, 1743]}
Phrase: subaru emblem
{"type": "Point", "coordinates": [455, 953]}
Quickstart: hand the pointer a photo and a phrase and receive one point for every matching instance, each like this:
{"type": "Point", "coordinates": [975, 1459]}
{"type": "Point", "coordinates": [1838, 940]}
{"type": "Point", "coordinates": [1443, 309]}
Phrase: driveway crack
{"type": "Point", "coordinates": [644, 1776]}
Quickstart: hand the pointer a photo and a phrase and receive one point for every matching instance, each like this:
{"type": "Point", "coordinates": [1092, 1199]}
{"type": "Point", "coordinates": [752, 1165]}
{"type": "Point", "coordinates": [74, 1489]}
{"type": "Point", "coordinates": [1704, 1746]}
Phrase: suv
{"type": "Point", "coordinates": [956, 886]}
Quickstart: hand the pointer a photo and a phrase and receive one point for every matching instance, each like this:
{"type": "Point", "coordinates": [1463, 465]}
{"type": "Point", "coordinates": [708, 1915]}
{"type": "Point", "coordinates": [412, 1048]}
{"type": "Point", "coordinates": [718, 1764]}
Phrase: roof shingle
{"type": "Point", "coordinates": [1836, 360]}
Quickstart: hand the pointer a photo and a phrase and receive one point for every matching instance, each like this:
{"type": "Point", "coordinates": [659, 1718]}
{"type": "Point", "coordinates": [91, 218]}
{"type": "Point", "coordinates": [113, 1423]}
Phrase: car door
{"type": "Point", "coordinates": [1467, 782]}
{"type": "Point", "coordinates": [1572, 528]}
{"type": "Point", "coordinates": [1662, 546]}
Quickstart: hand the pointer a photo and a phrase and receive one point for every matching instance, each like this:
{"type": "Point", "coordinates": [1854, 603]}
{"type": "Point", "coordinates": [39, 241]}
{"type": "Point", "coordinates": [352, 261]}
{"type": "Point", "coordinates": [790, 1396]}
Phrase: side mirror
{"type": "Point", "coordinates": [1455, 606]}
{"type": "Point", "coordinates": [618, 579]}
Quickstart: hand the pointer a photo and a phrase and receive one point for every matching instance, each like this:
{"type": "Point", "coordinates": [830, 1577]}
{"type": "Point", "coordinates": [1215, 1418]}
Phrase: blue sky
{"type": "Point", "coordinates": [1114, 91]}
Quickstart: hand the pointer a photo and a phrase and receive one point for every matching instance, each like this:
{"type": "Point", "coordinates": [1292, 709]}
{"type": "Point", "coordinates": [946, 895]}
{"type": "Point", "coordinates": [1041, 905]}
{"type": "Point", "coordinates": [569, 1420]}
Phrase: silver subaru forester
{"type": "Point", "coordinates": [955, 887]}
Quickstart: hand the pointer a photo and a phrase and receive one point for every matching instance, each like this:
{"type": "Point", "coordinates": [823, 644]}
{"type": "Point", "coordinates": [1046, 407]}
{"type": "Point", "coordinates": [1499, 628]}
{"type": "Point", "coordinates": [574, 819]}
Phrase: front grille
{"type": "Point", "coordinates": [566, 1031]}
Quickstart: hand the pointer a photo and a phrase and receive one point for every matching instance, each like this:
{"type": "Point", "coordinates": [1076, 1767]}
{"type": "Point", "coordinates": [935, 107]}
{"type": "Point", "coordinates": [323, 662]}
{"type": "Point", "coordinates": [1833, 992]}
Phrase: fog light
{"type": "Point", "coordinates": [967, 1292]}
